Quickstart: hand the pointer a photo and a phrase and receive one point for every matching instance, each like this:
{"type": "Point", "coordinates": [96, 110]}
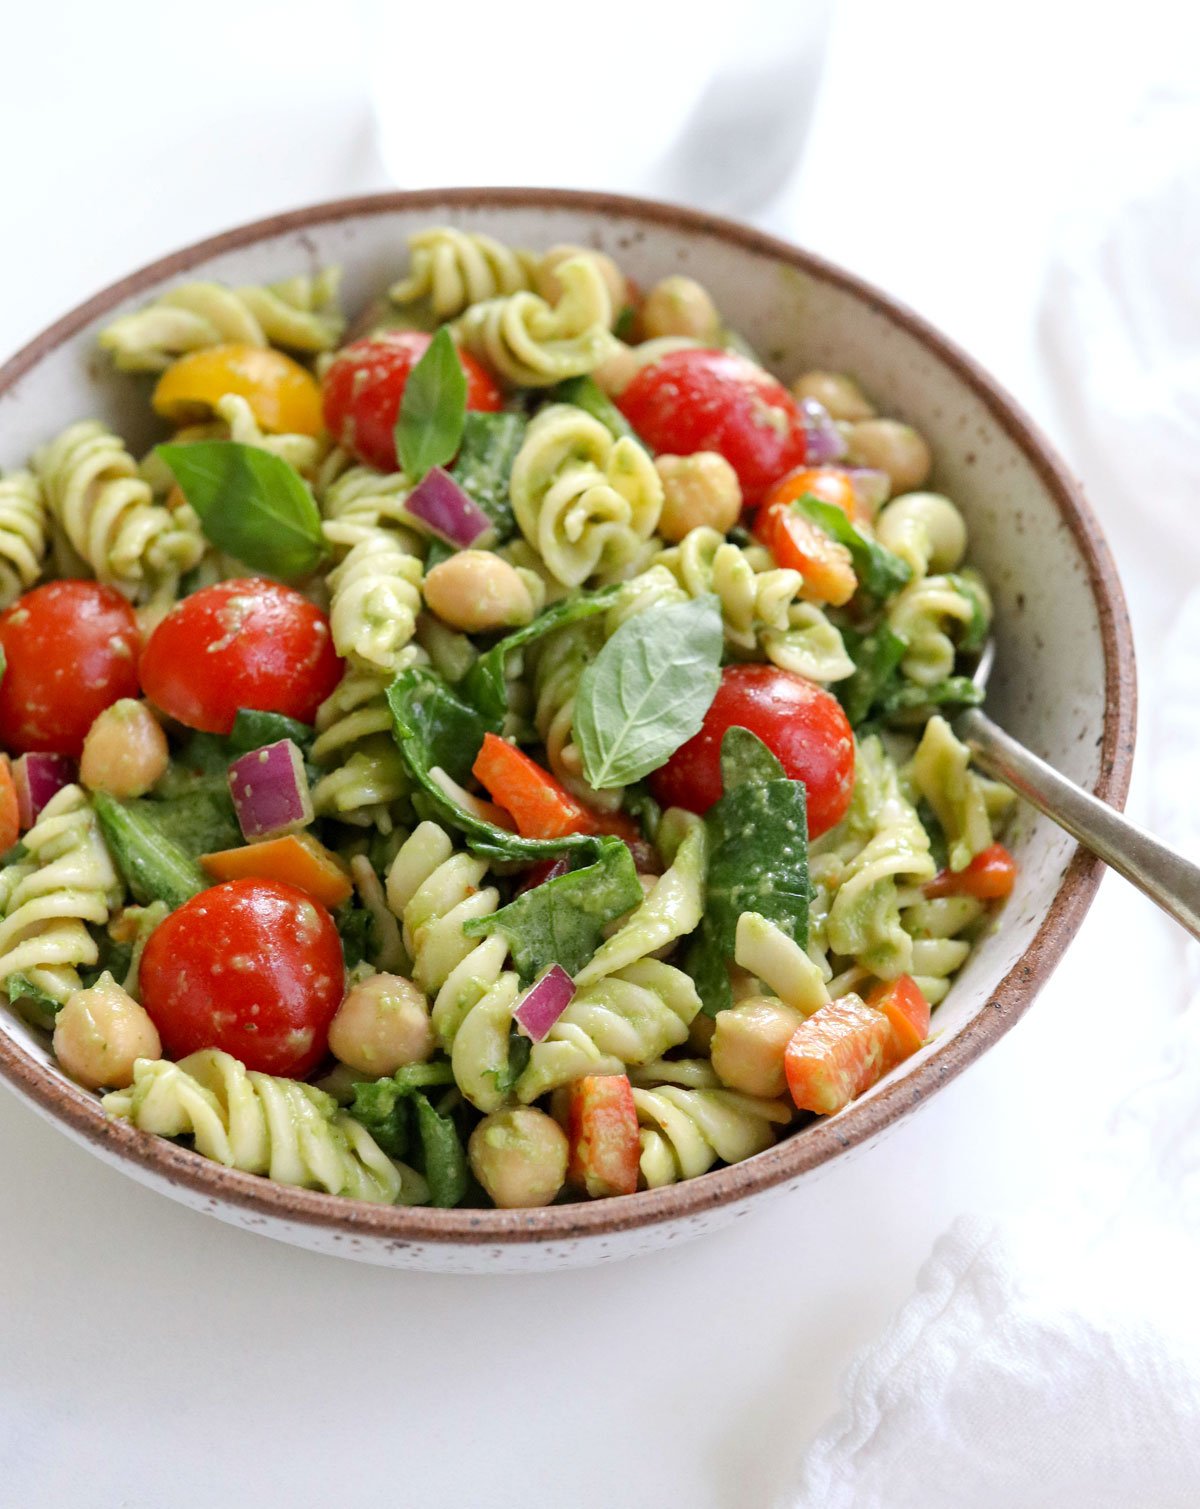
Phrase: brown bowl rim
{"type": "Point", "coordinates": [820, 1142]}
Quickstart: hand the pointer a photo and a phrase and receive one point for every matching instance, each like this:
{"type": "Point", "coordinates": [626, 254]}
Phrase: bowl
{"type": "Point", "coordinates": [1064, 681]}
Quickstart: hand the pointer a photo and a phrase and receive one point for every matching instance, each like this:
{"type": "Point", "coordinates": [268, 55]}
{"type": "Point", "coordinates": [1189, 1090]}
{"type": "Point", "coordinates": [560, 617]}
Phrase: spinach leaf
{"type": "Point", "coordinates": [444, 1156]}
{"type": "Point", "coordinates": [745, 758]}
{"type": "Point", "coordinates": [975, 631]}
{"type": "Point", "coordinates": [433, 409]}
{"type": "Point", "coordinates": [382, 1107]}
{"type": "Point", "coordinates": [356, 928]}
{"type": "Point", "coordinates": [647, 691]}
{"type": "Point", "coordinates": [37, 1007]}
{"type": "Point", "coordinates": [877, 656]}
{"type": "Point", "coordinates": [879, 572]}
{"type": "Point", "coordinates": [490, 443]}
{"type": "Point", "coordinates": [252, 729]}
{"type": "Point", "coordinates": [519, 1049]}
{"type": "Point", "coordinates": [758, 862]}
{"type": "Point", "coordinates": [626, 322]}
{"type": "Point", "coordinates": [562, 921]}
{"type": "Point", "coordinates": [586, 394]}
{"type": "Point", "coordinates": [251, 504]}
{"type": "Point", "coordinates": [152, 865]}
{"type": "Point", "coordinates": [908, 701]}
{"type": "Point", "coordinates": [197, 822]}
{"type": "Point", "coordinates": [434, 727]}
{"type": "Point", "coordinates": [485, 684]}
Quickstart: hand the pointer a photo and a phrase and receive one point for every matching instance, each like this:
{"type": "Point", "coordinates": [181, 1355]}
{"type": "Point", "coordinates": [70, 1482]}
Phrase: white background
{"type": "Point", "coordinates": [150, 1356]}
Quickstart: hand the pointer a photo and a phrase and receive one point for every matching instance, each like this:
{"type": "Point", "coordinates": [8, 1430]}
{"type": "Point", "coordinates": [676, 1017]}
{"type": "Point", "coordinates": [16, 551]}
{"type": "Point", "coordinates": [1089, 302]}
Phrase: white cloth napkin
{"type": "Point", "coordinates": [1055, 1360]}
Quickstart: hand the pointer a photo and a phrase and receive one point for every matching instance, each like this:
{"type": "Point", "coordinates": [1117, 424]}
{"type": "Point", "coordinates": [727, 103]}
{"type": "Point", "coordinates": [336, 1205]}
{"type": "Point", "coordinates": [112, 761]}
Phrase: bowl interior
{"type": "Point", "coordinates": [1064, 676]}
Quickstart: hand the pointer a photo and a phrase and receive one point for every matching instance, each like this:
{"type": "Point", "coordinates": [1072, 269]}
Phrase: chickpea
{"type": "Point", "coordinates": [476, 590]}
{"type": "Point", "coordinates": [125, 751]}
{"type": "Point", "coordinates": [100, 1032]}
{"type": "Point", "coordinates": [680, 306]}
{"type": "Point", "coordinates": [519, 1156]}
{"type": "Point", "coordinates": [931, 517]}
{"type": "Point", "coordinates": [617, 371]}
{"type": "Point", "coordinates": [891, 447]}
{"type": "Point", "coordinates": [698, 489]}
{"type": "Point", "coordinates": [749, 1042]}
{"type": "Point", "coordinates": [549, 285]}
{"type": "Point", "coordinates": [839, 395]}
{"type": "Point", "coordinates": [382, 1023]}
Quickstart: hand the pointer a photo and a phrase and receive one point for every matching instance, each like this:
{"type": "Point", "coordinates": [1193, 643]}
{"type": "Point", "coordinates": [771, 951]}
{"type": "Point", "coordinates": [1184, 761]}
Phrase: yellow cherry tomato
{"type": "Point", "coordinates": [284, 397]}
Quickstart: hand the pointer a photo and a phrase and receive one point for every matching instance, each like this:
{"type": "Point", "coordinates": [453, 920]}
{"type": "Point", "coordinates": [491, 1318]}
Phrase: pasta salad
{"type": "Point", "coordinates": [500, 756]}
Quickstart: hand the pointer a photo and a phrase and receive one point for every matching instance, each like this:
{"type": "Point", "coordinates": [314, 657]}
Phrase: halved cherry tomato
{"type": "Point", "coordinates": [252, 967]}
{"type": "Point", "coordinates": [242, 643]}
{"type": "Point", "coordinates": [990, 876]}
{"type": "Point", "coordinates": [836, 1055]}
{"type": "Point", "coordinates": [800, 545]}
{"type": "Point", "coordinates": [71, 649]}
{"type": "Point", "coordinates": [283, 395]}
{"type": "Point", "coordinates": [801, 723]}
{"type": "Point", "coordinates": [365, 383]}
{"type": "Point", "coordinates": [700, 400]}
{"type": "Point", "coordinates": [829, 483]}
{"type": "Point", "coordinates": [10, 808]}
{"type": "Point", "coordinates": [540, 806]}
{"type": "Point", "coordinates": [297, 859]}
{"type": "Point", "coordinates": [902, 1002]}
{"type": "Point", "coordinates": [602, 1127]}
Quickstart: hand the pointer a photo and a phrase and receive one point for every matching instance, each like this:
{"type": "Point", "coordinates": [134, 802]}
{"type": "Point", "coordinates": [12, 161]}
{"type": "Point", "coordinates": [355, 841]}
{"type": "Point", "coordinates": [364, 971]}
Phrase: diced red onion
{"type": "Point", "coordinates": [540, 873]}
{"type": "Point", "coordinates": [37, 777]}
{"type": "Point", "coordinates": [825, 442]}
{"type": "Point", "coordinates": [872, 488]}
{"type": "Point", "coordinates": [270, 791]}
{"type": "Point", "coordinates": [544, 1002]}
{"type": "Point", "coordinates": [440, 504]}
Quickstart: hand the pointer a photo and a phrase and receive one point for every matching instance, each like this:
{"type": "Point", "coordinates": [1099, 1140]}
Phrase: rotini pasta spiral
{"type": "Point", "coordinates": [560, 661]}
{"type": "Point", "coordinates": [23, 533]}
{"type": "Point", "coordinates": [930, 615]}
{"type": "Point", "coordinates": [941, 771]}
{"type": "Point", "coordinates": [304, 452]}
{"type": "Point", "coordinates": [300, 313]}
{"type": "Point", "coordinates": [924, 529]}
{"type": "Point", "coordinates": [66, 881]}
{"type": "Point", "coordinates": [290, 1131]}
{"type": "Point", "coordinates": [629, 1017]}
{"type": "Point", "coordinates": [365, 775]}
{"type": "Point", "coordinates": [451, 269]}
{"type": "Point", "coordinates": [375, 596]}
{"type": "Point", "coordinates": [583, 500]}
{"type": "Point", "coordinates": [531, 344]}
{"type": "Point", "coordinates": [937, 927]}
{"type": "Point", "coordinates": [435, 889]}
{"type": "Point", "coordinates": [355, 500]}
{"type": "Point", "coordinates": [687, 1128]}
{"type": "Point", "coordinates": [108, 514]}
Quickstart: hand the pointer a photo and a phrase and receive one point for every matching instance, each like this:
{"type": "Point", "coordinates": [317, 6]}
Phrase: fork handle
{"type": "Point", "coordinates": [1170, 881]}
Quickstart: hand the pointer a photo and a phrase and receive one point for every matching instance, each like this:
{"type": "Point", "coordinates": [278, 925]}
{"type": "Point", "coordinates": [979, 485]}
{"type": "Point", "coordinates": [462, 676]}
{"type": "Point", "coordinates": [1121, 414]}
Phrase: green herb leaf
{"type": "Point", "coordinates": [433, 410]}
{"type": "Point", "coordinates": [489, 447]}
{"type": "Point", "coordinates": [909, 702]}
{"type": "Point", "coordinates": [562, 921]}
{"type": "Point", "coordinates": [197, 822]}
{"type": "Point", "coordinates": [444, 1156]}
{"type": "Point", "coordinates": [253, 729]}
{"type": "Point", "coordinates": [251, 504]}
{"type": "Point", "coordinates": [153, 866]}
{"type": "Point", "coordinates": [877, 656]}
{"type": "Point", "coordinates": [746, 759]}
{"type": "Point", "coordinates": [586, 394]}
{"type": "Point", "coordinates": [434, 727]}
{"type": "Point", "coordinates": [486, 684]}
{"type": "Point", "coordinates": [37, 1007]}
{"type": "Point", "coordinates": [975, 630]}
{"type": "Point", "coordinates": [879, 572]}
{"type": "Point", "coordinates": [382, 1107]}
{"type": "Point", "coordinates": [519, 1049]}
{"type": "Point", "coordinates": [647, 691]}
{"type": "Point", "coordinates": [758, 862]}
{"type": "Point", "coordinates": [356, 928]}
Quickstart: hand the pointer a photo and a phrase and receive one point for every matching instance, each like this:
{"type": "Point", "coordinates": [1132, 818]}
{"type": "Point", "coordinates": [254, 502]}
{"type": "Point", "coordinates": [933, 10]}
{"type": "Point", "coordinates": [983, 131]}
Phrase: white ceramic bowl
{"type": "Point", "coordinates": [1064, 682]}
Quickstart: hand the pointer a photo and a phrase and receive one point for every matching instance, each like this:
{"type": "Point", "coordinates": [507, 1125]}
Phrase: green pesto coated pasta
{"type": "Point", "coordinates": [450, 270]}
{"type": "Point", "coordinates": [23, 534]}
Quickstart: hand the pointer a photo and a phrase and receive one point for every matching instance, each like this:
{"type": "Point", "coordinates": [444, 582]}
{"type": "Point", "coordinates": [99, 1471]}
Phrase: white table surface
{"type": "Point", "coordinates": [150, 1356]}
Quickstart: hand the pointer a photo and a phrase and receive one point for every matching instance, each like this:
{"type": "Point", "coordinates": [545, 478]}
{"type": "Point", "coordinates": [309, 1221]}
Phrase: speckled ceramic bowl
{"type": "Point", "coordinates": [1064, 681]}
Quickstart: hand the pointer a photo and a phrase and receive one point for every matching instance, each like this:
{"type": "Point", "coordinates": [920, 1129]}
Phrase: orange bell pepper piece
{"type": "Point", "coordinates": [296, 859]}
{"type": "Point", "coordinates": [602, 1128]}
{"type": "Point", "coordinates": [541, 806]}
{"type": "Point", "coordinates": [836, 1055]}
{"type": "Point", "coordinates": [907, 1010]}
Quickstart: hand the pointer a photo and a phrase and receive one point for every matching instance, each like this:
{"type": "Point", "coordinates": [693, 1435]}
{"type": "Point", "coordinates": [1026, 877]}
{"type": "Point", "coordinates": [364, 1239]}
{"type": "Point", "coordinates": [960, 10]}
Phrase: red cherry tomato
{"type": "Point", "coordinates": [365, 383]}
{"type": "Point", "coordinates": [802, 725]}
{"type": "Point", "coordinates": [697, 400]}
{"type": "Point", "coordinates": [253, 967]}
{"type": "Point", "coordinates": [71, 650]}
{"type": "Point", "coordinates": [990, 876]}
{"type": "Point", "coordinates": [243, 643]}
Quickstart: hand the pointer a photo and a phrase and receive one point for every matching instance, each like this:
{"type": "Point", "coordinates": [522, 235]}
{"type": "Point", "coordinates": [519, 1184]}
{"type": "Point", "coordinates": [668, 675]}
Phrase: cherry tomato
{"type": "Point", "coordinates": [990, 876]}
{"type": "Point", "coordinates": [800, 545]}
{"type": "Point", "coordinates": [365, 383]}
{"type": "Point", "coordinates": [836, 1055]}
{"type": "Point", "coordinates": [907, 1010]}
{"type": "Point", "coordinates": [699, 400]}
{"type": "Point", "coordinates": [283, 396]}
{"type": "Point", "coordinates": [243, 643]}
{"type": "Point", "coordinates": [802, 725]}
{"type": "Point", "coordinates": [253, 967]}
{"type": "Point", "coordinates": [829, 483]}
{"type": "Point", "coordinates": [71, 650]}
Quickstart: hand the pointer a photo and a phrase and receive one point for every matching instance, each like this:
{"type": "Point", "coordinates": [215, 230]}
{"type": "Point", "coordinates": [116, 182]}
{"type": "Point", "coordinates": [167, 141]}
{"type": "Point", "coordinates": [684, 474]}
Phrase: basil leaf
{"type": "Point", "coordinates": [433, 410]}
{"type": "Point", "coordinates": [758, 862]}
{"type": "Point", "coordinates": [562, 921]}
{"type": "Point", "coordinates": [975, 630]}
{"type": "Point", "coordinates": [444, 1156]}
{"type": "Point", "coordinates": [252, 729]}
{"type": "Point", "coordinates": [519, 1049]}
{"type": "Point", "coordinates": [586, 394]}
{"type": "Point", "coordinates": [356, 928]}
{"type": "Point", "coordinates": [489, 447]}
{"type": "Point", "coordinates": [251, 504]}
{"type": "Point", "coordinates": [877, 656]}
{"type": "Point", "coordinates": [434, 727]}
{"type": "Point", "coordinates": [198, 822]}
{"type": "Point", "coordinates": [486, 684]}
{"type": "Point", "coordinates": [911, 702]}
{"type": "Point", "coordinates": [880, 573]}
{"type": "Point", "coordinates": [647, 691]}
{"type": "Point", "coordinates": [745, 758]}
{"type": "Point", "coordinates": [37, 1007]}
{"type": "Point", "coordinates": [382, 1107]}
